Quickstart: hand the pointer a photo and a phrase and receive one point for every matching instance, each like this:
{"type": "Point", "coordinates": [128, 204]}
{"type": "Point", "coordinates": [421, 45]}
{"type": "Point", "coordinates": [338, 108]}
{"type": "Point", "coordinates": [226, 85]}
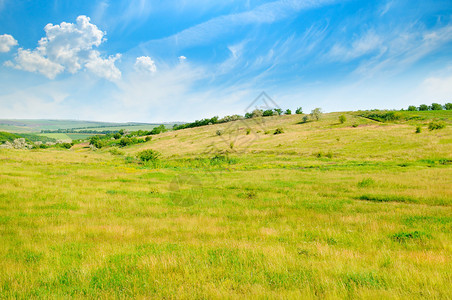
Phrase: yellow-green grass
{"type": "Point", "coordinates": [324, 210]}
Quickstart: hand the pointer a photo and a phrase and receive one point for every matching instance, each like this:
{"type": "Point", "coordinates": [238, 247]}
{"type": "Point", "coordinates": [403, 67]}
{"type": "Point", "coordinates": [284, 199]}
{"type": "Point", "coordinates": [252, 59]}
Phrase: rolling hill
{"type": "Point", "coordinates": [321, 209]}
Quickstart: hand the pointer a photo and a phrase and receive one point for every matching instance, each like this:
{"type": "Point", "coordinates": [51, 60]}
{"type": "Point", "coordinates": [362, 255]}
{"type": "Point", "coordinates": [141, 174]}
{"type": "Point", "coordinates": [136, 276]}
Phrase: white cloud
{"type": "Point", "coordinates": [68, 47]}
{"type": "Point", "coordinates": [69, 44]}
{"type": "Point", "coordinates": [32, 61]}
{"type": "Point", "coordinates": [145, 64]}
{"type": "Point", "coordinates": [104, 67]}
{"type": "Point", "coordinates": [7, 42]}
{"type": "Point", "coordinates": [182, 58]}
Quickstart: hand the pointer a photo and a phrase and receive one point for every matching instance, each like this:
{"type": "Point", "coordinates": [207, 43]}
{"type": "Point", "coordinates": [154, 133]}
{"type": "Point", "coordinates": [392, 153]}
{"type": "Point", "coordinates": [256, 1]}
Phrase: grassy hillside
{"type": "Point", "coordinates": [354, 210]}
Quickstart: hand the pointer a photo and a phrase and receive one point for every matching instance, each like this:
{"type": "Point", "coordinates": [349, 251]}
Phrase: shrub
{"type": "Point", "coordinates": [355, 125]}
{"type": "Point", "coordinates": [256, 113]}
{"type": "Point", "coordinates": [299, 111]}
{"type": "Point", "coordinates": [436, 106]}
{"type": "Point", "coordinates": [342, 119]}
{"type": "Point", "coordinates": [66, 145]}
{"type": "Point", "coordinates": [117, 136]}
{"type": "Point", "coordinates": [116, 151]}
{"type": "Point", "coordinates": [248, 131]}
{"type": "Point", "coordinates": [434, 125]}
{"type": "Point", "coordinates": [423, 107]}
{"type": "Point", "coordinates": [219, 132]}
{"type": "Point", "coordinates": [412, 108]}
{"type": "Point", "coordinates": [316, 113]}
{"type": "Point", "coordinates": [288, 112]}
{"type": "Point", "coordinates": [126, 141]}
{"type": "Point", "coordinates": [278, 130]}
{"type": "Point", "coordinates": [305, 119]}
{"type": "Point", "coordinates": [96, 142]}
{"type": "Point", "coordinates": [418, 129]}
{"type": "Point", "coordinates": [148, 155]}
{"type": "Point", "coordinates": [278, 111]}
{"type": "Point", "coordinates": [148, 138]}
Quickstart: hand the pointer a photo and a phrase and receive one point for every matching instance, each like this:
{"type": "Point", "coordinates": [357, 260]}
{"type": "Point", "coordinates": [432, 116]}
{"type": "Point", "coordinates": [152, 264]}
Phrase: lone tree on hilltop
{"type": "Point", "coordinates": [316, 113]}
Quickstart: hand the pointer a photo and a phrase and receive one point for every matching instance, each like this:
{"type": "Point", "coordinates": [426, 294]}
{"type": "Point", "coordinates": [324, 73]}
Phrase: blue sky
{"type": "Point", "coordinates": [156, 61]}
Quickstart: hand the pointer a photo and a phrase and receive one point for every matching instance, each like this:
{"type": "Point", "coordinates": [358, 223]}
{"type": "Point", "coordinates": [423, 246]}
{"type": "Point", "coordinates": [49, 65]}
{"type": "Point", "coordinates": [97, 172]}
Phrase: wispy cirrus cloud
{"type": "Point", "coordinates": [209, 30]}
{"type": "Point", "coordinates": [368, 43]}
{"type": "Point", "coordinates": [403, 47]}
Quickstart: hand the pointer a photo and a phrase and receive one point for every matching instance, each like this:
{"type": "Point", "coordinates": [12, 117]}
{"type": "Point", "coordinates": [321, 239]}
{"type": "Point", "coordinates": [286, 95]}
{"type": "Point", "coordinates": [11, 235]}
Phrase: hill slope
{"type": "Point", "coordinates": [322, 210]}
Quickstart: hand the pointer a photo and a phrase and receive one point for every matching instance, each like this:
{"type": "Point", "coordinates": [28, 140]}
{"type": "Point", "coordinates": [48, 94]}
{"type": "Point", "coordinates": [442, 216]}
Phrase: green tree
{"type": "Point", "coordinates": [342, 119]}
{"type": "Point", "coordinates": [299, 111]}
{"type": "Point", "coordinates": [436, 106]}
{"type": "Point", "coordinates": [288, 112]}
{"type": "Point", "coordinates": [316, 113]}
{"type": "Point", "coordinates": [423, 107]}
{"type": "Point", "coordinates": [448, 106]}
{"type": "Point", "coordinates": [278, 111]}
{"type": "Point", "coordinates": [412, 108]}
{"type": "Point", "coordinates": [268, 113]}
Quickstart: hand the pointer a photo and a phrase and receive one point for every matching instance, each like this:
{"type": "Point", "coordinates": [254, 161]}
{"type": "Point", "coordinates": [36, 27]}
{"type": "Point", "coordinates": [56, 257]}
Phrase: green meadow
{"type": "Point", "coordinates": [360, 209]}
{"type": "Point", "coordinates": [56, 136]}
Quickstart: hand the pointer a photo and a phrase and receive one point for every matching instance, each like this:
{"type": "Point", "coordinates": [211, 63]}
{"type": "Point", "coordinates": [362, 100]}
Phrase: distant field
{"type": "Point", "coordinates": [57, 136]}
{"type": "Point", "coordinates": [79, 136]}
{"type": "Point", "coordinates": [130, 128]}
{"type": "Point", "coordinates": [323, 210]}
{"type": "Point", "coordinates": [38, 125]}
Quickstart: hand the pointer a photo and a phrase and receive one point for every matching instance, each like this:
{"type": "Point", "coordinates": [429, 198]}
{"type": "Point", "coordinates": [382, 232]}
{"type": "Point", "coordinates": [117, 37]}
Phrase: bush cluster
{"type": "Point", "coordinates": [254, 114]}
{"type": "Point", "coordinates": [383, 116]}
{"type": "Point", "coordinates": [434, 125]}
